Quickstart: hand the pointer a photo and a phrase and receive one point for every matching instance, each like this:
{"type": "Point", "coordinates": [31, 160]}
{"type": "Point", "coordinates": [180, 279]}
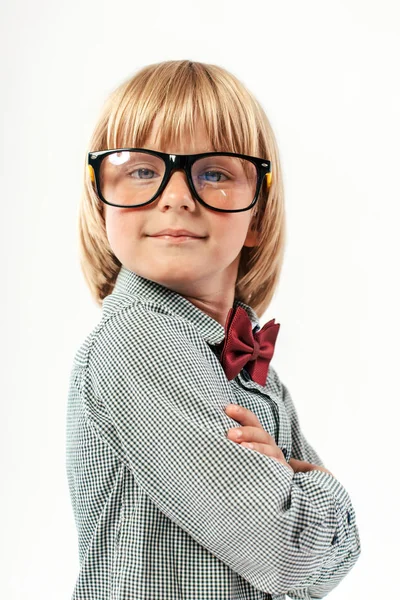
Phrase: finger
{"type": "Point", "coordinates": [263, 448]}
{"type": "Point", "coordinates": [268, 451]}
{"type": "Point", "coordinates": [248, 433]}
{"type": "Point", "coordinates": [302, 466]}
{"type": "Point", "coordinates": [242, 415]}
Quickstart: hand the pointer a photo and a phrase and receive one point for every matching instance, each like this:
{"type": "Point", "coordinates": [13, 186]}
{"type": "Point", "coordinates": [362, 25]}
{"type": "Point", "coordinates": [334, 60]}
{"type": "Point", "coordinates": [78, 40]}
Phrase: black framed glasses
{"type": "Point", "coordinates": [222, 181]}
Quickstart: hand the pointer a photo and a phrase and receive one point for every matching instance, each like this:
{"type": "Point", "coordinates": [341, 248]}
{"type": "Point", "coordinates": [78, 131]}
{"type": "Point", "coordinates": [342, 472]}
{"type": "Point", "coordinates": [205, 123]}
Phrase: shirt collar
{"type": "Point", "coordinates": [129, 283]}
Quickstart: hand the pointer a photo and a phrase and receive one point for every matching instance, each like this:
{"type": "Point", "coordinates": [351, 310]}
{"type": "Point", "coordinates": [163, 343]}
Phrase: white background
{"type": "Point", "coordinates": [327, 75]}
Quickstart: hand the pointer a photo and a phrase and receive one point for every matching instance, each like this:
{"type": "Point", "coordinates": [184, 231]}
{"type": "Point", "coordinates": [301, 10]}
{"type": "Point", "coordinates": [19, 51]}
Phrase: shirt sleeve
{"type": "Point", "coordinates": [346, 542]}
{"type": "Point", "coordinates": [151, 392]}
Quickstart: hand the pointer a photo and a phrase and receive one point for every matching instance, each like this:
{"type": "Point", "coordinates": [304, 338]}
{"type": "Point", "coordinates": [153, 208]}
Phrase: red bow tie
{"type": "Point", "coordinates": [243, 347]}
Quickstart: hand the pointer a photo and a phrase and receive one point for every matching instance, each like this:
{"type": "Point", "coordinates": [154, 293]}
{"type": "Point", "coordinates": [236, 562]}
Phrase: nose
{"type": "Point", "coordinates": [177, 191]}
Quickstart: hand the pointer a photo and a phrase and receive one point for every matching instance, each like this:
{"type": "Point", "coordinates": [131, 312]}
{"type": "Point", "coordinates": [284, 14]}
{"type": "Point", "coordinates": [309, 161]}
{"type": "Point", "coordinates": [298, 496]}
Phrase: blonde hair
{"type": "Point", "coordinates": [185, 91]}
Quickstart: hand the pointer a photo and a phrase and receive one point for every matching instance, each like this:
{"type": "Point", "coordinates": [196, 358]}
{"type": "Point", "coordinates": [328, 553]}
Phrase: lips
{"type": "Point", "coordinates": [177, 233]}
{"type": "Point", "coordinates": [176, 239]}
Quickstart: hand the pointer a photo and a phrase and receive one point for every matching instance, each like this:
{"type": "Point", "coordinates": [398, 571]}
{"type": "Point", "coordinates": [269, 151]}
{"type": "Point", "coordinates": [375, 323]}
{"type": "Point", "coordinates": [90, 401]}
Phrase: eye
{"type": "Point", "coordinates": [215, 175]}
{"type": "Point", "coordinates": [143, 173]}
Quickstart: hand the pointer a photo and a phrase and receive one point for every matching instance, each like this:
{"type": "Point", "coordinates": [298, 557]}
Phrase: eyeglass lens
{"type": "Point", "coordinates": [133, 178]}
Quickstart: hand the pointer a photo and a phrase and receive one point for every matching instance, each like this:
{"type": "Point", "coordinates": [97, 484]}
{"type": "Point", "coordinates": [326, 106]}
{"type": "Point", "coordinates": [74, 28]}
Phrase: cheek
{"type": "Point", "coordinates": [120, 227]}
{"type": "Point", "coordinates": [111, 223]}
{"type": "Point", "coordinates": [232, 231]}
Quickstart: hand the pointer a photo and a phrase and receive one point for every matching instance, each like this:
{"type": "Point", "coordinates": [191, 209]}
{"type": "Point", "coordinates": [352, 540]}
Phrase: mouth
{"type": "Point", "coordinates": [176, 239]}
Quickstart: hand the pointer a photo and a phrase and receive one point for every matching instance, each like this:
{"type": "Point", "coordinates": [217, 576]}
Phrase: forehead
{"type": "Point", "coordinates": [183, 142]}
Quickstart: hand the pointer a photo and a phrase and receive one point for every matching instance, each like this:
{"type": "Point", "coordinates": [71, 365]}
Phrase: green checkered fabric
{"type": "Point", "coordinates": [166, 506]}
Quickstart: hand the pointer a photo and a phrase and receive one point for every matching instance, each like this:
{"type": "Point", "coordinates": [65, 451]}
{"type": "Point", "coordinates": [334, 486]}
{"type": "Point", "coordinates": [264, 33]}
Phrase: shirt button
{"type": "Point", "coordinates": [348, 517]}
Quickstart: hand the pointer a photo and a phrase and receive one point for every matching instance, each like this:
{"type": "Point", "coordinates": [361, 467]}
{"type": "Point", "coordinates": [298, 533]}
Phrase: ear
{"type": "Point", "coordinates": [252, 234]}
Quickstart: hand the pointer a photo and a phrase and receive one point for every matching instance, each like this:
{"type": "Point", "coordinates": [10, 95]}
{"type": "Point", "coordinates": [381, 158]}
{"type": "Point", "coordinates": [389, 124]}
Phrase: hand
{"type": "Point", "coordinates": [254, 433]}
{"type": "Point", "coordinates": [262, 441]}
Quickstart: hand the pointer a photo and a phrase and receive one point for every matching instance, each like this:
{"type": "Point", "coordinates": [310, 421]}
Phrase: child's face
{"type": "Point", "coordinates": [203, 268]}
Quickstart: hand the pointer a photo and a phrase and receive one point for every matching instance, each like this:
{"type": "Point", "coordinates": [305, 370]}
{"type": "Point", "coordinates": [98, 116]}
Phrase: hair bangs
{"type": "Point", "coordinates": [195, 95]}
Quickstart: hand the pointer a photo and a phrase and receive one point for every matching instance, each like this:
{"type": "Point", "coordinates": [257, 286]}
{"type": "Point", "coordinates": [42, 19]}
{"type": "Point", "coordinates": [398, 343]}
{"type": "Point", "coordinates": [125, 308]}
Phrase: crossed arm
{"type": "Point", "coordinates": [283, 531]}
